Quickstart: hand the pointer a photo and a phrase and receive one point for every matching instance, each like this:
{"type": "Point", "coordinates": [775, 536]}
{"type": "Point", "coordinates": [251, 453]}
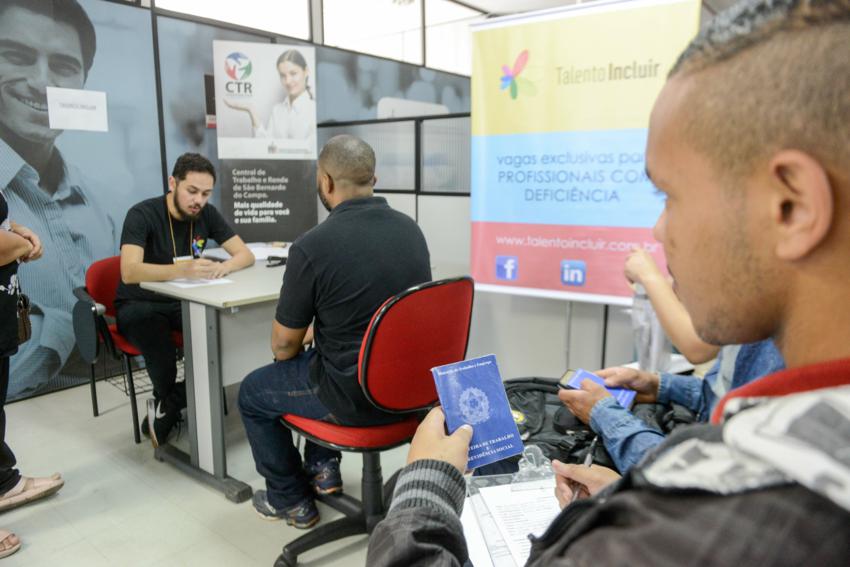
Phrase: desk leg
{"type": "Point", "coordinates": [206, 461]}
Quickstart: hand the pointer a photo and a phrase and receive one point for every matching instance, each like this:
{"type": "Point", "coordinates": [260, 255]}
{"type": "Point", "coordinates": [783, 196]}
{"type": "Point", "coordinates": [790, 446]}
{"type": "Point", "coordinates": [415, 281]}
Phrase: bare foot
{"type": "Point", "coordinates": [29, 489]}
{"type": "Point", "coordinates": [9, 543]}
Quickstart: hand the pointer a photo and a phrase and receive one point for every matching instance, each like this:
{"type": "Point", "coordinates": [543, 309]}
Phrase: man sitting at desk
{"type": "Point", "coordinates": [163, 239]}
{"type": "Point", "coordinates": [337, 276]}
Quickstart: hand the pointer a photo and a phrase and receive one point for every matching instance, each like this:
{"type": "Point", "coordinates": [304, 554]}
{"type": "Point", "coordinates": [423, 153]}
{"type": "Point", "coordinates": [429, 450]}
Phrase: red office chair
{"type": "Point", "coordinates": [422, 327]}
{"type": "Point", "coordinates": [91, 329]}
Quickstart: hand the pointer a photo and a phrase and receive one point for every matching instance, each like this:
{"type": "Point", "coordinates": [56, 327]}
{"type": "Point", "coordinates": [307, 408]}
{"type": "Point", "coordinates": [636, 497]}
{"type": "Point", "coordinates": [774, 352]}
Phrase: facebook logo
{"type": "Point", "coordinates": [506, 267]}
{"type": "Point", "coordinates": [573, 272]}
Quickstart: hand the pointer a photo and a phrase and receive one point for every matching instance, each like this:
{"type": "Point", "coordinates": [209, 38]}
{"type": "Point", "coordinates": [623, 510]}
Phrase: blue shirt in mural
{"type": "Point", "coordinates": [76, 231]}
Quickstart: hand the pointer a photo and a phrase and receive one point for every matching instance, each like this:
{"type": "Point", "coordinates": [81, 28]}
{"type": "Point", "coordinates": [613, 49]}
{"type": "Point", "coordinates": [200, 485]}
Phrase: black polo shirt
{"type": "Point", "coordinates": [338, 274]}
{"type": "Point", "coordinates": [147, 225]}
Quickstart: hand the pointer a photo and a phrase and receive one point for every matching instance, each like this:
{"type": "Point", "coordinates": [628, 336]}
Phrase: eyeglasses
{"type": "Point", "coordinates": [275, 261]}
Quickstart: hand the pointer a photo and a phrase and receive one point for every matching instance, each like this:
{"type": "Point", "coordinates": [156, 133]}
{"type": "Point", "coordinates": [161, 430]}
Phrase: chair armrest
{"type": "Point", "coordinates": [90, 328]}
{"type": "Point", "coordinates": [82, 294]}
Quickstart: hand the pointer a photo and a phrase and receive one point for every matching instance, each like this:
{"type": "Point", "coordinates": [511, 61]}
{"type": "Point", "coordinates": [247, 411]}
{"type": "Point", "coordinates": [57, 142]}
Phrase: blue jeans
{"type": "Point", "coordinates": [264, 396]}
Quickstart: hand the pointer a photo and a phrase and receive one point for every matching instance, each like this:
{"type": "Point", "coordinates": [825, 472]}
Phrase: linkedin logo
{"type": "Point", "coordinates": [506, 267]}
{"type": "Point", "coordinates": [573, 272]}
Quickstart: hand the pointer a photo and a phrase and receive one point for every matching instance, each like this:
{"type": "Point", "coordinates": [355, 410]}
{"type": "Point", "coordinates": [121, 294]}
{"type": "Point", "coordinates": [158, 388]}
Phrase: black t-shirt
{"type": "Point", "coordinates": [339, 273]}
{"type": "Point", "coordinates": [8, 294]}
{"type": "Point", "coordinates": [147, 225]}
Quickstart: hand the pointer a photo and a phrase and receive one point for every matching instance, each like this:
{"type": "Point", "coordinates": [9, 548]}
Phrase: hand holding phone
{"type": "Point", "coordinates": [572, 379]}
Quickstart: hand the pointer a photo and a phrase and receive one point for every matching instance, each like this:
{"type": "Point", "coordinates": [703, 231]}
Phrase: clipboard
{"type": "Point", "coordinates": [495, 500]}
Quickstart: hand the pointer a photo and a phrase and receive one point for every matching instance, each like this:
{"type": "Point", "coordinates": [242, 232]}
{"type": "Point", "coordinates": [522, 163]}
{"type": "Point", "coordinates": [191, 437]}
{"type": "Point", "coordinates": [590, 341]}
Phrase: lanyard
{"type": "Point", "coordinates": [171, 228]}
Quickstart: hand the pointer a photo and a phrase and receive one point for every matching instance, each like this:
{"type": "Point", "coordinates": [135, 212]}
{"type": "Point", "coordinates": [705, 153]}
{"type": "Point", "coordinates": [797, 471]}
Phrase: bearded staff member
{"type": "Point", "coordinates": [163, 239]}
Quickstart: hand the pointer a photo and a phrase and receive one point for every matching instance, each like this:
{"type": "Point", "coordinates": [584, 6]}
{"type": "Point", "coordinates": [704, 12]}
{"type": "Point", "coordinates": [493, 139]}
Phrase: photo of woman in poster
{"type": "Point", "coordinates": [293, 118]}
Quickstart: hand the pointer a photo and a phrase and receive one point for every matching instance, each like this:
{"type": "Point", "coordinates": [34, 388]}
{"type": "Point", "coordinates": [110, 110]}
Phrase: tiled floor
{"type": "Point", "coordinates": [120, 507]}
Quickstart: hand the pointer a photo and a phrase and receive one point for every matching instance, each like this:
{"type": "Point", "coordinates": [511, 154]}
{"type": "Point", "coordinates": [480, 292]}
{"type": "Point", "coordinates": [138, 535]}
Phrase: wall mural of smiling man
{"type": "Point", "coordinates": [47, 43]}
{"type": "Point", "coordinates": [53, 43]}
{"type": "Point", "coordinates": [42, 44]}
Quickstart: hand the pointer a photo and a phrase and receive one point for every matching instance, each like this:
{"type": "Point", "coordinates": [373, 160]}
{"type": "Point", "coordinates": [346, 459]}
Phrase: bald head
{"type": "Point", "coordinates": [349, 161]}
{"type": "Point", "coordinates": [768, 75]}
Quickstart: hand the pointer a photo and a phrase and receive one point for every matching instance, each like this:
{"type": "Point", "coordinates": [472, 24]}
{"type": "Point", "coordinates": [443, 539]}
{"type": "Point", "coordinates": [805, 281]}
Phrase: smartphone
{"type": "Point", "coordinates": [564, 382]}
{"type": "Point", "coordinates": [572, 379]}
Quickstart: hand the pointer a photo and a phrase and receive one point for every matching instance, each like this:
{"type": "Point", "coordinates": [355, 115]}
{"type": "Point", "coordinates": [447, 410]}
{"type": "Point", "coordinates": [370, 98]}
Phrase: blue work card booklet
{"type": "Point", "coordinates": [471, 392]}
{"type": "Point", "coordinates": [624, 396]}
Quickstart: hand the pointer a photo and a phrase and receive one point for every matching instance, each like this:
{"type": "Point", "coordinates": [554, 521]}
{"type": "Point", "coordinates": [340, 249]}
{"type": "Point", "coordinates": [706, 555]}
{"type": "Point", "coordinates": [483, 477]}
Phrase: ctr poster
{"type": "Point", "coordinates": [560, 107]}
{"type": "Point", "coordinates": [265, 98]}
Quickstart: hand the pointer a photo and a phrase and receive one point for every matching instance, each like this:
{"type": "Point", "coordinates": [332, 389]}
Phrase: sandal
{"type": "Point", "coordinates": [29, 489]}
{"type": "Point", "coordinates": [5, 541]}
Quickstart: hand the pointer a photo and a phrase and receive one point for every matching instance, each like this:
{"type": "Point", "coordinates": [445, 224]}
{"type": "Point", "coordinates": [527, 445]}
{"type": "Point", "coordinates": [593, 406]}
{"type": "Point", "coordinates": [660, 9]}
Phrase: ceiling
{"type": "Point", "coordinates": [512, 6]}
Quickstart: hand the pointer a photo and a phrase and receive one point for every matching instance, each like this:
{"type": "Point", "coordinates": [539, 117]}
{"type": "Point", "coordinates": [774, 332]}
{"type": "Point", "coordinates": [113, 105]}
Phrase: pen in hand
{"type": "Point", "coordinates": [588, 460]}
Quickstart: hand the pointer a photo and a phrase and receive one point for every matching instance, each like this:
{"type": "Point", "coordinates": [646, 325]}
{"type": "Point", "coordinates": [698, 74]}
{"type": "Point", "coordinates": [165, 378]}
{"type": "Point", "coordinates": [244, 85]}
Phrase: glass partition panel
{"type": "Point", "coordinates": [290, 17]}
{"type": "Point", "coordinates": [446, 155]}
{"type": "Point", "coordinates": [389, 28]}
{"type": "Point", "coordinates": [395, 150]}
{"type": "Point", "coordinates": [448, 39]}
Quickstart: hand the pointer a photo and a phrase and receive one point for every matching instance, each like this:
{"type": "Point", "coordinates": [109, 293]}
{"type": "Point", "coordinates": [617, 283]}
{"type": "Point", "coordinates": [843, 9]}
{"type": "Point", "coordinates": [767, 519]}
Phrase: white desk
{"type": "Point", "coordinates": [226, 335]}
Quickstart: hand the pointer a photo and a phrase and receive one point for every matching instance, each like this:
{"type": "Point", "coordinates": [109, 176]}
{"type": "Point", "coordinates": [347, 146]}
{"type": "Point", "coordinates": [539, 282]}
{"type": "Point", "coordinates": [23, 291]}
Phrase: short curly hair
{"type": "Point", "coordinates": [190, 162]}
{"type": "Point", "coordinates": [770, 75]}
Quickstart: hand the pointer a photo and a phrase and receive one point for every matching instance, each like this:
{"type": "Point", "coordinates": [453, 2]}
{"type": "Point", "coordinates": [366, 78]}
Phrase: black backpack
{"type": "Point", "coordinates": [543, 420]}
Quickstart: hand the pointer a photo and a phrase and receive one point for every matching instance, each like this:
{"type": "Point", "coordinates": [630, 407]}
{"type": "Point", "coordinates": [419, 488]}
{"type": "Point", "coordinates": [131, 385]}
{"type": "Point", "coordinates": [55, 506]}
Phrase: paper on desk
{"type": "Point", "coordinates": [497, 551]}
{"type": "Point", "coordinates": [479, 555]}
{"type": "Point", "coordinates": [187, 283]}
{"type": "Point", "coordinates": [261, 252]}
{"type": "Point", "coordinates": [518, 513]}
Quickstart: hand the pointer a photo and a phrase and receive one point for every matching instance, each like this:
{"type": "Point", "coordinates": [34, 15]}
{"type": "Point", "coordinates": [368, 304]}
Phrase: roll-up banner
{"type": "Point", "coordinates": [560, 109]}
{"type": "Point", "coordinates": [265, 99]}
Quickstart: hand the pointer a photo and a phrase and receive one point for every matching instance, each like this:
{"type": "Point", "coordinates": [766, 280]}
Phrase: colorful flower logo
{"type": "Point", "coordinates": [198, 245]}
{"type": "Point", "coordinates": [237, 66]}
{"type": "Point", "coordinates": [511, 77]}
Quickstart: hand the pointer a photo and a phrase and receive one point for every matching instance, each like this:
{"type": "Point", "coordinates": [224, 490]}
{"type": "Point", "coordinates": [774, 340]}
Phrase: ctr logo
{"type": "Point", "coordinates": [507, 267]}
{"type": "Point", "coordinates": [237, 66]}
{"type": "Point", "coordinates": [573, 272]}
{"type": "Point", "coordinates": [512, 80]}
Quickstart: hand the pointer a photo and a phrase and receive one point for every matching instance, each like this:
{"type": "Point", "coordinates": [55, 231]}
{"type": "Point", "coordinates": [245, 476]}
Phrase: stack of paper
{"type": "Point", "coordinates": [187, 283]}
{"type": "Point", "coordinates": [506, 514]}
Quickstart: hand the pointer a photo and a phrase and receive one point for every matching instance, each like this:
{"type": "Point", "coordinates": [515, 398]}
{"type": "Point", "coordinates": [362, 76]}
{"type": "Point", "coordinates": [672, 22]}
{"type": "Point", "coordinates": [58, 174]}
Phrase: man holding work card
{"type": "Point", "coordinates": [745, 143]}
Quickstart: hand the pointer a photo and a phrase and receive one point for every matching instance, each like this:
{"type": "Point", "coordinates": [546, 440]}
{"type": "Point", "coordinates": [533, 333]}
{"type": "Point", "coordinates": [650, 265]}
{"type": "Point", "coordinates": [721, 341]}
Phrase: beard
{"type": "Point", "coordinates": [188, 215]}
{"type": "Point", "coordinates": [323, 199]}
{"type": "Point", "coordinates": [185, 214]}
{"type": "Point", "coordinates": [736, 306]}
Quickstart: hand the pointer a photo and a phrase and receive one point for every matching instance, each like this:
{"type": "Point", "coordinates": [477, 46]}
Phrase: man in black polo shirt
{"type": "Point", "coordinates": [337, 276]}
{"type": "Point", "coordinates": [163, 239]}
